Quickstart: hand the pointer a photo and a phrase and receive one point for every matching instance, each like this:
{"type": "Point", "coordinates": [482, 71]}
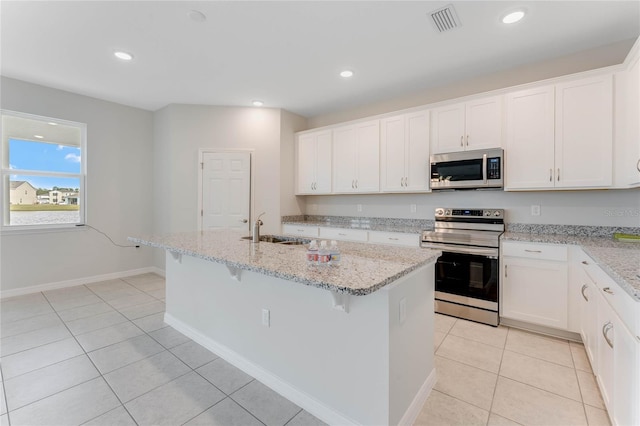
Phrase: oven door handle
{"type": "Point", "coordinates": [489, 252]}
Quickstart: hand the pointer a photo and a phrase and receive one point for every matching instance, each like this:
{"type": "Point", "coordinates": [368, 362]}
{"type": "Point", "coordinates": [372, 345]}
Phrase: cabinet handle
{"type": "Point", "coordinates": [352, 184]}
{"type": "Point", "coordinates": [550, 175]}
{"type": "Point", "coordinates": [467, 140]}
{"type": "Point", "coordinates": [393, 239]}
{"type": "Point", "coordinates": [342, 235]}
{"type": "Point", "coordinates": [505, 271]}
{"type": "Point", "coordinates": [300, 230]}
{"type": "Point", "coordinates": [356, 183]}
{"type": "Point", "coordinates": [638, 165]}
{"type": "Point", "coordinates": [533, 251]}
{"type": "Point", "coordinates": [584, 296]}
{"type": "Point", "coordinates": [462, 140]}
{"type": "Point", "coordinates": [607, 290]}
{"type": "Point", "coordinates": [605, 329]}
{"type": "Point", "coordinates": [584, 262]}
{"type": "Point", "coordinates": [558, 175]}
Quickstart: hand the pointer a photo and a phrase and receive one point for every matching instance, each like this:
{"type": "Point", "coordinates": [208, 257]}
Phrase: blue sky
{"type": "Point", "coordinates": [43, 156]}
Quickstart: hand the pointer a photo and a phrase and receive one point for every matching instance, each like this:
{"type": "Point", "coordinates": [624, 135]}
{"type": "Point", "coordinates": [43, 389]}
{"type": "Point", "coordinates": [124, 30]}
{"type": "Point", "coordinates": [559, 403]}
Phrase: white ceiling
{"type": "Point", "coordinates": [287, 54]}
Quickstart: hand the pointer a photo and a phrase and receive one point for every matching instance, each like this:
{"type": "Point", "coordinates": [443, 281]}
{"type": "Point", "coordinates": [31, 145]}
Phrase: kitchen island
{"type": "Point", "coordinates": [351, 344]}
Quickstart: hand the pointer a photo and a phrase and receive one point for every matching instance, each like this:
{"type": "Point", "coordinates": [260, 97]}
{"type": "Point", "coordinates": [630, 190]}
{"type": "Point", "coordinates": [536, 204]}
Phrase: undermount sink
{"type": "Point", "coordinates": [279, 240]}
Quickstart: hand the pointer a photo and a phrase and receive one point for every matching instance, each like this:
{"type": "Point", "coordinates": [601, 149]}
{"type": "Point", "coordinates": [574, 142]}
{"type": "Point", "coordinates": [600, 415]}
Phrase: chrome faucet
{"type": "Point", "coordinates": [256, 229]}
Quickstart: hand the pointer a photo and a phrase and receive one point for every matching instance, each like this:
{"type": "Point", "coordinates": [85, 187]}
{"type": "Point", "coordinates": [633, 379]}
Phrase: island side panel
{"type": "Point", "coordinates": [336, 363]}
{"type": "Point", "coordinates": [412, 369]}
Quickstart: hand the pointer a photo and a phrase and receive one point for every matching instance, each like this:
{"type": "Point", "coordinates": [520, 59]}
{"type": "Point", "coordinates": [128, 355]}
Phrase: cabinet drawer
{"type": "Point", "coordinates": [535, 251]}
{"type": "Point", "coordinates": [396, 238]}
{"type": "Point", "coordinates": [344, 234]}
{"type": "Point", "coordinates": [300, 230]}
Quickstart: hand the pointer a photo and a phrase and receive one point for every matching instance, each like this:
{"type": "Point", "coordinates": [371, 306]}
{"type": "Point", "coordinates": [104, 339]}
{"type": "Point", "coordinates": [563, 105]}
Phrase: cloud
{"type": "Point", "coordinates": [13, 166]}
{"type": "Point", "coordinates": [60, 147]}
{"type": "Point", "coordinates": [72, 157]}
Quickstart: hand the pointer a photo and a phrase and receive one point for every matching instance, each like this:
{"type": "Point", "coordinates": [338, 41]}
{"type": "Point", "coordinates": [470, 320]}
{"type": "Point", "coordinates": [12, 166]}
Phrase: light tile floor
{"type": "Point", "coordinates": [100, 354]}
{"type": "Point", "coordinates": [505, 376]}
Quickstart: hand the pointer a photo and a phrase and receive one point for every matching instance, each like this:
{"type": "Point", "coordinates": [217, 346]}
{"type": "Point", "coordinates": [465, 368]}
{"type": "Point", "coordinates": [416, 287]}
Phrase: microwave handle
{"type": "Point", "coordinates": [484, 168]}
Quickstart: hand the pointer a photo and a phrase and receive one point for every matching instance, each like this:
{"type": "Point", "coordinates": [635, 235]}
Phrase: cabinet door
{"type": "Point", "coordinates": [626, 371]}
{"type": "Point", "coordinates": [605, 358]}
{"type": "Point", "coordinates": [535, 291]}
{"type": "Point", "coordinates": [323, 163]}
{"type": "Point", "coordinates": [306, 164]}
{"type": "Point", "coordinates": [483, 119]}
{"type": "Point", "coordinates": [344, 176]}
{"type": "Point", "coordinates": [584, 133]}
{"type": "Point", "coordinates": [588, 317]}
{"type": "Point", "coordinates": [392, 153]}
{"type": "Point", "coordinates": [447, 129]}
{"type": "Point", "coordinates": [633, 124]}
{"type": "Point", "coordinates": [417, 151]}
{"type": "Point", "coordinates": [367, 156]}
{"type": "Point", "coordinates": [529, 153]}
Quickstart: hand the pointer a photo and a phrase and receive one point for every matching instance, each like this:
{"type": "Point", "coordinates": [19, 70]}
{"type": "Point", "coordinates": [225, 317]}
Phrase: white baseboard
{"type": "Point", "coordinates": [78, 281]}
{"type": "Point", "coordinates": [415, 407]}
{"type": "Point", "coordinates": [307, 402]}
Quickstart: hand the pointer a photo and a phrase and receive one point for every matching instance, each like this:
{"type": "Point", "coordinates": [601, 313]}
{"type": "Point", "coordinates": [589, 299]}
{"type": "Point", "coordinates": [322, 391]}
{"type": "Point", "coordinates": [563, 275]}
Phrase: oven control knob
{"type": "Point", "coordinates": [447, 212]}
{"type": "Point", "coordinates": [487, 212]}
{"type": "Point", "coordinates": [496, 213]}
{"type": "Point", "coordinates": [439, 212]}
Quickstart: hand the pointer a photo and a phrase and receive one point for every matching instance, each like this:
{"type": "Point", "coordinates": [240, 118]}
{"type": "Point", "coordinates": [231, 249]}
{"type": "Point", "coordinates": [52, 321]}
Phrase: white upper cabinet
{"type": "Point", "coordinates": [529, 150]}
{"type": "Point", "coordinates": [584, 133]}
{"type": "Point", "coordinates": [313, 151]}
{"type": "Point", "coordinates": [560, 137]}
{"type": "Point", "coordinates": [356, 158]}
{"type": "Point", "coordinates": [405, 153]}
{"type": "Point", "coordinates": [627, 127]}
{"type": "Point", "coordinates": [467, 126]}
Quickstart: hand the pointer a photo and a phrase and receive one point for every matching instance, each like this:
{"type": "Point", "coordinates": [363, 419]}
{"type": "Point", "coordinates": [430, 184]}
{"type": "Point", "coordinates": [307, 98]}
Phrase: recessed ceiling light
{"type": "Point", "coordinates": [346, 73]}
{"type": "Point", "coordinates": [196, 16]}
{"type": "Point", "coordinates": [513, 17]}
{"type": "Point", "coordinates": [125, 56]}
{"type": "Point", "coordinates": [51, 123]}
{"type": "Point", "coordinates": [38, 136]}
{"type": "Point", "coordinates": [257, 103]}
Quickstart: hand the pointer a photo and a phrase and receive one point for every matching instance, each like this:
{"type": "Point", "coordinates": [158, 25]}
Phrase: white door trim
{"type": "Point", "coordinates": [201, 153]}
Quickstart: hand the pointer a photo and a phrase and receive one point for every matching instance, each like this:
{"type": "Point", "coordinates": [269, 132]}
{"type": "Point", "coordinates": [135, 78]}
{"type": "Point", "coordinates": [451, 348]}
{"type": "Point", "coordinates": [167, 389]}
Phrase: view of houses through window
{"type": "Point", "coordinates": [42, 171]}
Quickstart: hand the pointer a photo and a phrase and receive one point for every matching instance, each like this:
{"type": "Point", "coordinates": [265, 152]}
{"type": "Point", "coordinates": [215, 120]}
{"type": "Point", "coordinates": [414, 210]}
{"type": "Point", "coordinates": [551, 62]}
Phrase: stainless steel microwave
{"type": "Point", "coordinates": [481, 169]}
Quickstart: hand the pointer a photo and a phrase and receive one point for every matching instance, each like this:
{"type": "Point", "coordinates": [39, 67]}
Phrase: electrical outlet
{"type": "Point", "coordinates": [359, 207]}
{"type": "Point", "coordinates": [266, 318]}
{"type": "Point", "coordinates": [402, 310]}
{"type": "Point", "coordinates": [414, 208]}
{"type": "Point", "coordinates": [535, 210]}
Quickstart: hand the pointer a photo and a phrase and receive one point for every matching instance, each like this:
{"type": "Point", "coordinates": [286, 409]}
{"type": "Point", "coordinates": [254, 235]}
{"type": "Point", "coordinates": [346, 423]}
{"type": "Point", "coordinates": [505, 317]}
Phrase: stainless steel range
{"type": "Point", "coordinates": [467, 273]}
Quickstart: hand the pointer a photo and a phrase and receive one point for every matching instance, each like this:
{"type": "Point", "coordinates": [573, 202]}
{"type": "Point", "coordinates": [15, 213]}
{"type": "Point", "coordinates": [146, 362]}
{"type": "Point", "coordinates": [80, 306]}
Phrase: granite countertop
{"type": "Point", "coordinates": [364, 268]}
{"type": "Point", "coordinates": [620, 260]}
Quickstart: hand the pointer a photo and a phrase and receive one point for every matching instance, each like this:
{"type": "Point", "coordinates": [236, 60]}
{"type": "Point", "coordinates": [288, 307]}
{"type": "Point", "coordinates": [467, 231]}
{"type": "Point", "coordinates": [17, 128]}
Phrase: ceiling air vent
{"type": "Point", "coordinates": [445, 19]}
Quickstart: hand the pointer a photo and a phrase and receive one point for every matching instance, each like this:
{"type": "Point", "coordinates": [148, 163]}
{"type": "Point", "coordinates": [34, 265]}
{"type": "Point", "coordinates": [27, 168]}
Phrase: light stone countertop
{"type": "Point", "coordinates": [364, 268]}
{"type": "Point", "coordinates": [620, 260]}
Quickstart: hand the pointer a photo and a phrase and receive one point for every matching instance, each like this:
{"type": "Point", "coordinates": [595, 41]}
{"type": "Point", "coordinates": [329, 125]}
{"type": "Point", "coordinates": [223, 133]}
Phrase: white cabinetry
{"type": "Point", "coordinates": [404, 162]}
{"type": "Point", "coordinates": [529, 151]}
{"type": "Point", "coordinates": [313, 152]}
{"type": "Point", "coordinates": [394, 238]}
{"type": "Point", "coordinates": [356, 158]}
{"type": "Point", "coordinates": [467, 126]}
{"type": "Point", "coordinates": [584, 133]}
{"type": "Point", "coordinates": [611, 334]}
{"type": "Point", "coordinates": [300, 230]}
{"type": "Point", "coordinates": [560, 136]}
{"type": "Point", "coordinates": [535, 283]}
{"type": "Point", "coordinates": [343, 234]}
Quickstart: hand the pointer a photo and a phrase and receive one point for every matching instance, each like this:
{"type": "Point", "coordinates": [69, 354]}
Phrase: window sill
{"type": "Point", "coordinates": [27, 230]}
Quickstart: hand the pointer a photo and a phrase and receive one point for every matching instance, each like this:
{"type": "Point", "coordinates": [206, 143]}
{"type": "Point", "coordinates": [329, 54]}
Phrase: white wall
{"type": "Point", "coordinates": [181, 130]}
{"type": "Point", "coordinates": [119, 185]}
{"type": "Point", "coordinates": [592, 208]}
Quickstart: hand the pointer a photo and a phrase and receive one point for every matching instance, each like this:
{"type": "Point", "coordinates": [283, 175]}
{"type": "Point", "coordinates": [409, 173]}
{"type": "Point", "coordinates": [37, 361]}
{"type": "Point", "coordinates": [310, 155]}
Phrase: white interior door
{"type": "Point", "coordinates": [226, 190]}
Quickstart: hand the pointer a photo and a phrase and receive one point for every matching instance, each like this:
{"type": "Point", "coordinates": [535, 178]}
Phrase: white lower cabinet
{"type": "Point", "coordinates": [535, 283]}
{"type": "Point", "coordinates": [344, 234]}
{"type": "Point", "coordinates": [300, 230]}
{"type": "Point", "coordinates": [394, 238]}
{"type": "Point", "coordinates": [608, 326]}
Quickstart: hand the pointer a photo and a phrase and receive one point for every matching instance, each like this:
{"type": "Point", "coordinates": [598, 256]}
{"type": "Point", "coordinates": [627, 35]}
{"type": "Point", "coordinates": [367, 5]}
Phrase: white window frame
{"type": "Point", "coordinates": [6, 172]}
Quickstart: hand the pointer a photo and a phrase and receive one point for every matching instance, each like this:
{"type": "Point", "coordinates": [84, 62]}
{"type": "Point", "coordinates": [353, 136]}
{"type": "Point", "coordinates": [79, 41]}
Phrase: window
{"type": "Point", "coordinates": [43, 172]}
